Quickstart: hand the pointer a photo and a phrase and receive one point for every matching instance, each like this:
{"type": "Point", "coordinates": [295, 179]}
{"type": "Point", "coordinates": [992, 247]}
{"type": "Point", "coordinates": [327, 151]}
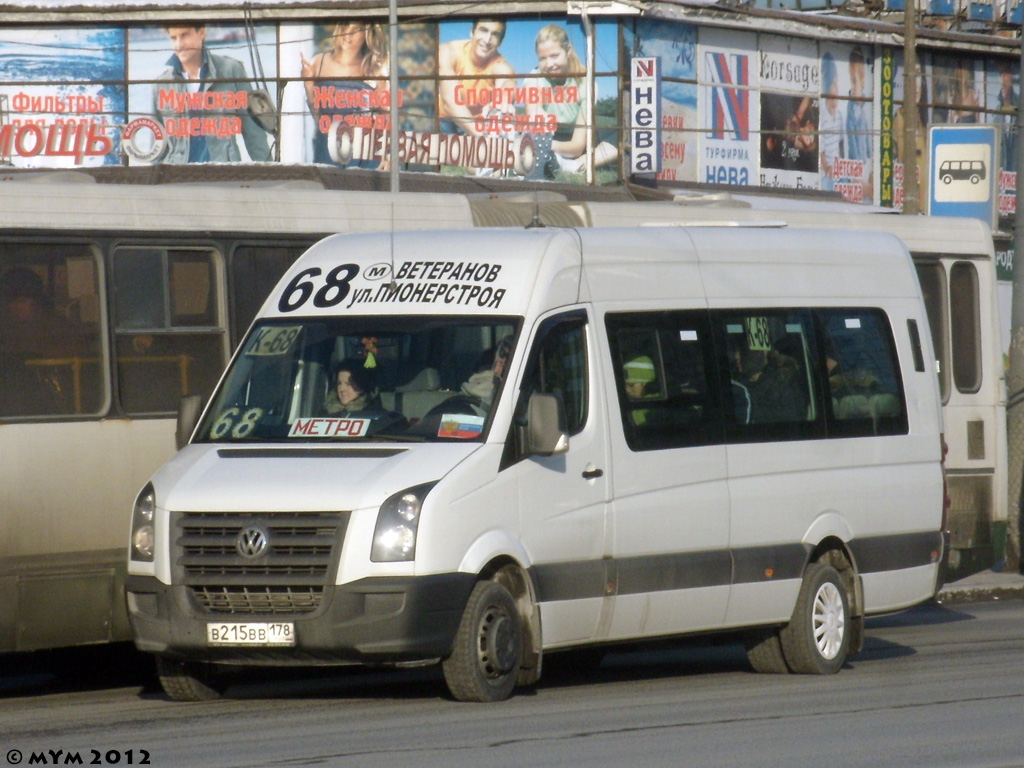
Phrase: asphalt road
{"type": "Point", "coordinates": [936, 686]}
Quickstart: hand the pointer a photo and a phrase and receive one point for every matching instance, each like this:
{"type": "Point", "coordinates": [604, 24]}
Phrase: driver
{"type": "Point", "coordinates": [354, 390]}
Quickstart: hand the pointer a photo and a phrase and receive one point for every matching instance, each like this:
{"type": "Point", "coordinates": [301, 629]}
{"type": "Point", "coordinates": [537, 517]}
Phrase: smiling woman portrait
{"type": "Point", "coordinates": [354, 66]}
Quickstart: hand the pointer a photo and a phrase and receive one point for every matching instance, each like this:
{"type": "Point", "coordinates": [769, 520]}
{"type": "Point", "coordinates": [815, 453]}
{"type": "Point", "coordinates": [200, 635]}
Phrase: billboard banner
{"type": "Point", "coordinates": [674, 46]}
{"type": "Point", "coordinates": [537, 98]}
{"type": "Point", "coordinates": [729, 108]}
{"type": "Point", "coordinates": [790, 80]}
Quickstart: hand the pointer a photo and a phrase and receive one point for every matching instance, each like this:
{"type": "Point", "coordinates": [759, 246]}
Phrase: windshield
{"type": "Point", "coordinates": [394, 378]}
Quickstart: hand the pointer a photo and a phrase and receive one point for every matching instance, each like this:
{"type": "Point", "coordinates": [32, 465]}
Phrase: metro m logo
{"type": "Point", "coordinates": [730, 101]}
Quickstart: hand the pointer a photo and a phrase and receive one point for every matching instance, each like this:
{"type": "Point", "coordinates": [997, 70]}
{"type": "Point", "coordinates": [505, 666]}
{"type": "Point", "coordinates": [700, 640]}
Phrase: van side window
{"type": "Point", "coordinates": [769, 355]}
{"type": "Point", "coordinates": [662, 361]}
{"type": "Point", "coordinates": [863, 379]}
{"type": "Point", "coordinates": [559, 366]}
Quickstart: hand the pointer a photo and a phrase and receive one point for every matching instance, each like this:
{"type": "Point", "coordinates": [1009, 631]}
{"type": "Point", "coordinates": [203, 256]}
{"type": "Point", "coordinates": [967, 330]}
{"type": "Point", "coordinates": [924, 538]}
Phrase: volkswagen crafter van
{"type": "Point", "coordinates": [472, 448]}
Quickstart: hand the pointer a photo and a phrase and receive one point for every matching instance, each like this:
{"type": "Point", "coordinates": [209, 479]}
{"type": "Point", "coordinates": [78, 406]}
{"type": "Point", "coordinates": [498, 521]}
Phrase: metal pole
{"type": "Point", "coordinates": [393, 82]}
{"type": "Point", "coordinates": [908, 142]}
{"type": "Point", "coordinates": [1015, 376]}
{"type": "Point", "coordinates": [588, 107]}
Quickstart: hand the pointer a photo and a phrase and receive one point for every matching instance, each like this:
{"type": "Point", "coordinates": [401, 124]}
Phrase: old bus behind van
{"type": "Point", "coordinates": [474, 448]}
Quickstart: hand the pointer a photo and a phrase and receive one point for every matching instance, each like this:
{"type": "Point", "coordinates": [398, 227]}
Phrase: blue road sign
{"type": "Point", "coordinates": [964, 172]}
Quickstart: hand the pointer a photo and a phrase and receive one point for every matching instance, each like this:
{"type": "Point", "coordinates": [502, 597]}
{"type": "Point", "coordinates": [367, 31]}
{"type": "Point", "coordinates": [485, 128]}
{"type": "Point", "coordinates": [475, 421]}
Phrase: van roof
{"type": "Point", "coordinates": [522, 271]}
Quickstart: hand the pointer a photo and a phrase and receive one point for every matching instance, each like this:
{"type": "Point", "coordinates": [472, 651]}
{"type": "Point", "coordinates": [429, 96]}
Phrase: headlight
{"type": "Point", "coordinates": [143, 534]}
{"type": "Point", "coordinates": [394, 538]}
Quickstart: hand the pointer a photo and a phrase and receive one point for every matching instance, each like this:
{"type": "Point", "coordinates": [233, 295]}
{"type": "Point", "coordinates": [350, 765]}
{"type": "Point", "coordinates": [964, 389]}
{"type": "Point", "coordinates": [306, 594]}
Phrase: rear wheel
{"type": "Point", "coordinates": [817, 638]}
{"type": "Point", "coordinates": [188, 680]}
{"type": "Point", "coordinates": [488, 646]}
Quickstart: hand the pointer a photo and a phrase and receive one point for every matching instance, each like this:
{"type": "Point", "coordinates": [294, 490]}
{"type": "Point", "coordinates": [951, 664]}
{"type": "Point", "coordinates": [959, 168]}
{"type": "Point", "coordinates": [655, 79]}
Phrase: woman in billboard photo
{"type": "Point", "coordinates": [558, 66]}
{"type": "Point", "coordinates": [342, 80]}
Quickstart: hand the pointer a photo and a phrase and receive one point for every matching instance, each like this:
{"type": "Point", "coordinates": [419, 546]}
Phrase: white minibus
{"type": "Point", "coordinates": [476, 447]}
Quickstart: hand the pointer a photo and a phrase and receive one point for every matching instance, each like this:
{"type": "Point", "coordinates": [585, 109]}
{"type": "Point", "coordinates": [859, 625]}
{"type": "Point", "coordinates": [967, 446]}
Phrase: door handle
{"type": "Point", "coordinates": [591, 473]}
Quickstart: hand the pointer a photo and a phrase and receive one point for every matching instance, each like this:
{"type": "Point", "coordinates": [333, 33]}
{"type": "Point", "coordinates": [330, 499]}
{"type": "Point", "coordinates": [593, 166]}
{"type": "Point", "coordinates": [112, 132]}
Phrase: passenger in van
{"type": "Point", "coordinates": [490, 369]}
{"type": "Point", "coordinates": [641, 378]}
{"type": "Point", "coordinates": [846, 376]}
{"type": "Point", "coordinates": [857, 381]}
{"type": "Point", "coordinates": [354, 390]}
{"type": "Point", "coordinates": [768, 379]}
{"type": "Point", "coordinates": [477, 392]}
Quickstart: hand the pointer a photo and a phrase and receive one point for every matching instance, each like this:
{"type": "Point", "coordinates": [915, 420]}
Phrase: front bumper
{"type": "Point", "coordinates": [373, 620]}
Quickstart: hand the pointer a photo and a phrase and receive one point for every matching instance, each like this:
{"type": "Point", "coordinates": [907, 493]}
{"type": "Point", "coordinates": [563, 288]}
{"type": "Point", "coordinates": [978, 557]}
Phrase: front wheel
{"type": "Point", "coordinates": [816, 640]}
{"type": "Point", "coordinates": [485, 659]}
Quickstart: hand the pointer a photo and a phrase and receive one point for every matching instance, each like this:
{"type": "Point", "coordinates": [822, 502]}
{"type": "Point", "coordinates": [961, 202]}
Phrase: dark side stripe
{"type": "Point", "coordinates": [717, 568]}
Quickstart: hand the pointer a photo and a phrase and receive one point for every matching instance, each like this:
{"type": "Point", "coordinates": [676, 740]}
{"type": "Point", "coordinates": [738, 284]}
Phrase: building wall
{"type": "Point", "coordinates": [809, 110]}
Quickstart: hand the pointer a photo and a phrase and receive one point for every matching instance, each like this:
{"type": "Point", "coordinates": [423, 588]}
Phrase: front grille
{"type": "Point", "coordinates": [256, 600]}
{"type": "Point", "coordinates": [289, 577]}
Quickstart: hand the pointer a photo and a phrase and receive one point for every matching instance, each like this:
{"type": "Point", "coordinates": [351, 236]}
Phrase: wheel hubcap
{"type": "Point", "coordinates": [497, 643]}
{"type": "Point", "coordinates": [828, 620]}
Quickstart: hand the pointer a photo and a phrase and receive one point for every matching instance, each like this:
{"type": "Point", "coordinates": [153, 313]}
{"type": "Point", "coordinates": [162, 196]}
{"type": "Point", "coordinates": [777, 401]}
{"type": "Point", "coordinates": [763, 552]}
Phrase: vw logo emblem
{"type": "Point", "coordinates": [252, 542]}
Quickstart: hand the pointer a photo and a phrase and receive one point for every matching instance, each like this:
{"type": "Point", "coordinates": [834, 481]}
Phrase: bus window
{"type": "Point", "coordinates": [50, 331]}
{"type": "Point", "coordinates": [933, 287]}
{"type": "Point", "coordinates": [168, 330]}
{"type": "Point", "coordinates": [255, 270]}
{"type": "Point", "coordinates": [966, 336]}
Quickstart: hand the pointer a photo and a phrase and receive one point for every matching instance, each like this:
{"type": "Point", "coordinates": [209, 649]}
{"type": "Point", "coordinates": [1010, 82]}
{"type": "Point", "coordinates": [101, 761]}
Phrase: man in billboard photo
{"type": "Point", "coordinates": [212, 137]}
{"type": "Point", "coordinates": [471, 71]}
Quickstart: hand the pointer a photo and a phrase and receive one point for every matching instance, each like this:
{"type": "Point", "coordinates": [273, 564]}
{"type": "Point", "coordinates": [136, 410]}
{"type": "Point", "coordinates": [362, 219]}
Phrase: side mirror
{"type": "Point", "coordinates": [190, 408]}
{"type": "Point", "coordinates": [546, 434]}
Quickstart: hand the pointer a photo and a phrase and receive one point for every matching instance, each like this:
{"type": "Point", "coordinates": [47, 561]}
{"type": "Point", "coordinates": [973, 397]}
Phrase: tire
{"type": "Point", "coordinates": [817, 638]}
{"type": "Point", "coordinates": [187, 680]}
{"type": "Point", "coordinates": [764, 652]}
{"type": "Point", "coordinates": [484, 662]}
{"type": "Point", "coordinates": [947, 179]}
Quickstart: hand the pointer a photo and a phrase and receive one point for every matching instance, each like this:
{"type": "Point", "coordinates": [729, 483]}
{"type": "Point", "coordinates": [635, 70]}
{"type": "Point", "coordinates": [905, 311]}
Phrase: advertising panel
{"type": "Point", "coordinates": [61, 96]}
{"type": "Point", "coordinates": [845, 122]}
{"type": "Point", "coordinates": [1002, 89]}
{"type": "Point", "coordinates": [790, 84]}
{"type": "Point", "coordinates": [528, 78]}
{"type": "Point", "coordinates": [892, 107]}
{"type": "Point", "coordinates": [729, 107]}
{"type": "Point", "coordinates": [200, 94]}
{"type": "Point", "coordinates": [675, 47]}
